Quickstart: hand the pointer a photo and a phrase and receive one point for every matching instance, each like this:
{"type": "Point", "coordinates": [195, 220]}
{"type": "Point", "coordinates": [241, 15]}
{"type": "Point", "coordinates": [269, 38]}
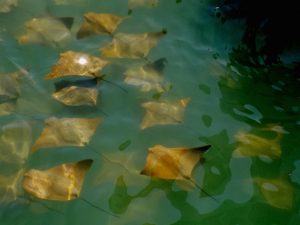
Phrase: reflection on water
{"type": "Point", "coordinates": [277, 192]}
{"type": "Point", "coordinates": [245, 111]}
{"type": "Point", "coordinates": [254, 145]}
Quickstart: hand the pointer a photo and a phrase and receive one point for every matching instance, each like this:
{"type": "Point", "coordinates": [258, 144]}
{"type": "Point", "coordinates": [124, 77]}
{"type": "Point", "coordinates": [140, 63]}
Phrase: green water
{"type": "Point", "coordinates": [226, 98]}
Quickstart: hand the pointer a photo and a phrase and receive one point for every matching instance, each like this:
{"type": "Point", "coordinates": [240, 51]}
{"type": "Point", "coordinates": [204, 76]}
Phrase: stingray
{"type": "Point", "coordinates": [132, 46]}
{"type": "Point", "coordinates": [10, 86]}
{"type": "Point", "coordinates": [47, 30]}
{"type": "Point", "coordinates": [72, 63]}
{"type": "Point", "coordinates": [7, 108]}
{"type": "Point", "coordinates": [7, 5]}
{"type": "Point", "coordinates": [99, 23]}
{"type": "Point", "coordinates": [77, 92]}
{"type": "Point", "coordinates": [60, 183]}
{"type": "Point", "coordinates": [60, 132]}
{"type": "Point", "coordinates": [147, 77]}
{"type": "Point", "coordinates": [163, 112]}
{"type": "Point", "coordinates": [174, 163]}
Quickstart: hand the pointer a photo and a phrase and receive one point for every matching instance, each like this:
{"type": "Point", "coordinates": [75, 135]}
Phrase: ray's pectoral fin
{"type": "Point", "coordinates": [202, 148]}
{"type": "Point", "coordinates": [67, 21]}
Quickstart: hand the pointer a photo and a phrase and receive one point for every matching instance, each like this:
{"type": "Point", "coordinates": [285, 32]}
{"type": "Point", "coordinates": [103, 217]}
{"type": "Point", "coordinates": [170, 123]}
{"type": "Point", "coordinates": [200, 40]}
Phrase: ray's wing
{"type": "Point", "coordinates": [60, 183]}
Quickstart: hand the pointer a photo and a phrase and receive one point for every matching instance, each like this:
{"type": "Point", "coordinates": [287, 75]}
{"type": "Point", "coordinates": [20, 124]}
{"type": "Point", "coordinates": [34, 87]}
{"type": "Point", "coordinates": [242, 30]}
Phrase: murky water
{"type": "Point", "coordinates": [250, 116]}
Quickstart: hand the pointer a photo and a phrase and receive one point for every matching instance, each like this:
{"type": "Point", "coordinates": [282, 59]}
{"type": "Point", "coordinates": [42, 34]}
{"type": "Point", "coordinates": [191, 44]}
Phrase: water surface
{"type": "Point", "coordinates": [227, 99]}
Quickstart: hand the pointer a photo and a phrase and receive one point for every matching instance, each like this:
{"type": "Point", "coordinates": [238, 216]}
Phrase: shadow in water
{"type": "Point", "coordinates": [269, 30]}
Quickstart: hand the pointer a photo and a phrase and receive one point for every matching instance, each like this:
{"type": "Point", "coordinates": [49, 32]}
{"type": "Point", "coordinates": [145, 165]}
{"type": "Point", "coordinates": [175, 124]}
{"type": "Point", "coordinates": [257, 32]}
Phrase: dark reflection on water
{"type": "Point", "coordinates": [274, 102]}
{"type": "Point", "coordinates": [217, 171]}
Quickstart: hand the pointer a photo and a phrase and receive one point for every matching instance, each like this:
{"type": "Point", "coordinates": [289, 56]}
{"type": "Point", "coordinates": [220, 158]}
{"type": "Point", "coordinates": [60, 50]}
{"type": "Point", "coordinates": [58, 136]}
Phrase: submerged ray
{"type": "Point", "coordinates": [10, 186]}
{"type": "Point", "coordinates": [7, 108]}
{"type": "Point", "coordinates": [73, 63]}
{"type": "Point", "coordinates": [47, 30]}
{"type": "Point", "coordinates": [10, 86]}
{"type": "Point", "coordinates": [60, 183]}
{"type": "Point", "coordinates": [131, 45]}
{"type": "Point", "coordinates": [77, 96]}
{"type": "Point", "coordinates": [15, 142]}
{"type": "Point", "coordinates": [163, 112]}
{"type": "Point", "coordinates": [99, 23]}
{"type": "Point", "coordinates": [172, 163]}
{"type": "Point", "coordinates": [59, 132]}
{"type": "Point", "coordinates": [7, 5]}
{"type": "Point", "coordinates": [147, 77]}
